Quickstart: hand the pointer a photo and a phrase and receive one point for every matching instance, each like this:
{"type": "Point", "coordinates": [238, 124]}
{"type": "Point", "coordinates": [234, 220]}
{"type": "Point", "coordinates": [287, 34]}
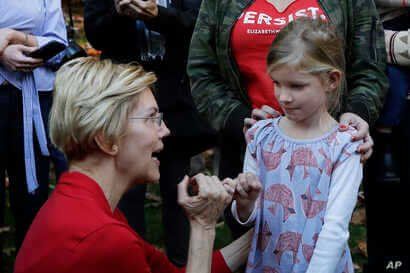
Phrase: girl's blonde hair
{"type": "Point", "coordinates": [310, 46]}
{"type": "Point", "coordinates": [91, 97]}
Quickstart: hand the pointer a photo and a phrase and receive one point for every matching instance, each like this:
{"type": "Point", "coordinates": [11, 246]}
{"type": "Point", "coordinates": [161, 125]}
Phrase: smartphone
{"type": "Point", "coordinates": [47, 51]}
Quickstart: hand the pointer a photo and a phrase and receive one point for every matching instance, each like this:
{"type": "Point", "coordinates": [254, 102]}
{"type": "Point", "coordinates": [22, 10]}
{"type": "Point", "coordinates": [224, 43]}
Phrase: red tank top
{"type": "Point", "coordinates": [251, 38]}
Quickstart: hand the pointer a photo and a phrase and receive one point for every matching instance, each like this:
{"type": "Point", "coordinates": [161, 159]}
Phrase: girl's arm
{"type": "Point", "coordinates": [344, 187]}
{"type": "Point", "coordinates": [250, 164]}
{"type": "Point", "coordinates": [243, 209]}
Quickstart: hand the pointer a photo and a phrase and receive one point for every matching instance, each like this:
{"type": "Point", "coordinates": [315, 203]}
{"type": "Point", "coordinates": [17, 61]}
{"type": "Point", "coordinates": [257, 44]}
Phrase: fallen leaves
{"type": "Point", "coordinates": [359, 216]}
{"type": "Point", "coordinates": [362, 246]}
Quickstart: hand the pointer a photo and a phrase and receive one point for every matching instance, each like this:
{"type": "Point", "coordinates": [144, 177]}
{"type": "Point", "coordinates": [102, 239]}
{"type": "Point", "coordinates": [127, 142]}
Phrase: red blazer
{"type": "Point", "coordinates": [76, 231]}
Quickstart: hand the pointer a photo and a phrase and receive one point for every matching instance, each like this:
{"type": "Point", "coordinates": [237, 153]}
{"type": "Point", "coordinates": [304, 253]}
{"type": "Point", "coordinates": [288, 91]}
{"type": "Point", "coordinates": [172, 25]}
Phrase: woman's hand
{"type": "Point", "coordinates": [264, 112]}
{"type": "Point", "coordinates": [14, 58]}
{"type": "Point", "coordinates": [362, 127]}
{"type": "Point", "coordinates": [248, 188]}
{"type": "Point", "coordinates": [206, 207]}
{"type": "Point", "coordinates": [121, 7]}
{"type": "Point", "coordinates": [5, 38]}
{"type": "Point", "coordinates": [137, 9]}
{"type": "Point", "coordinates": [146, 9]}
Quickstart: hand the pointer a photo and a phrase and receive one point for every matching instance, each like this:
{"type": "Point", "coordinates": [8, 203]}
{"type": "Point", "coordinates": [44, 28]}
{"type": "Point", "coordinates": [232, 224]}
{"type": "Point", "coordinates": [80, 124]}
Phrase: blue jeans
{"type": "Point", "coordinates": [392, 113]}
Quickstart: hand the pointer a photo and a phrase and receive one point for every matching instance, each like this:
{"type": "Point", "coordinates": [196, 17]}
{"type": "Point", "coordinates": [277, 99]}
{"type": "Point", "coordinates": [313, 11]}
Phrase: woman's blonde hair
{"type": "Point", "coordinates": [310, 46]}
{"type": "Point", "coordinates": [93, 96]}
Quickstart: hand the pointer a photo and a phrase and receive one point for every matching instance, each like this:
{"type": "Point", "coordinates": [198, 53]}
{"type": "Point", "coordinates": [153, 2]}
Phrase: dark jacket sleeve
{"type": "Point", "coordinates": [366, 62]}
{"type": "Point", "coordinates": [174, 23]}
{"type": "Point", "coordinates": [110, 32]}
{"type": "Point", "coordinates": [216, 101]}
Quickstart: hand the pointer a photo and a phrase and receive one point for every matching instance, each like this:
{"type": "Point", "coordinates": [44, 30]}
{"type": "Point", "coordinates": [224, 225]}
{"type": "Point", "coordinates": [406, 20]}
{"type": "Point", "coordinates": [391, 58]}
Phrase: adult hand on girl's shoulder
{"type": "Point", "coordinates": [262, 113]}
{"type": "Point", "coordinates": [248, 188]}
{"type": "Point", "coordinates": [362, 127]}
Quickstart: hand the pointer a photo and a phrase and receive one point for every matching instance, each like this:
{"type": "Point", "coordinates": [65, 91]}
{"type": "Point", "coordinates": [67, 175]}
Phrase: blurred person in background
{"type": "Point", "coordinates": [25, 101]}
{"type": "Point", "coordinates": [395, 15]}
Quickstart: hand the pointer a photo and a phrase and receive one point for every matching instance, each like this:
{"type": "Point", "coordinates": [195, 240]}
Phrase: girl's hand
{"type": "Point", "coordinates": [230, 186]}
{"type": "Point", "coordinates": [205, 208]}
{"type": "Point", "coordinates": [362, 127]}
{"type": "Point", "coordinates": [14, 58]}
{"type": "Point", "coordinates": [264, 112]}
{"type": "Point", "coordinates": [248, 188]}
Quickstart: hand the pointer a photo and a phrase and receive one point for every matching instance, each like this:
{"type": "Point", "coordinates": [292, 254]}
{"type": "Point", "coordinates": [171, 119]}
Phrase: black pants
{"type": "Point", "coordinates": [24, 206]}
{"type": "Point", "coordinates": [174, 165]}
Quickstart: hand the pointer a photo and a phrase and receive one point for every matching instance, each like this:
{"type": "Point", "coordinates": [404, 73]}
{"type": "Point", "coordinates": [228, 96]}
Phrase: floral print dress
{"type": "Point", "coordinates": [297, 178]}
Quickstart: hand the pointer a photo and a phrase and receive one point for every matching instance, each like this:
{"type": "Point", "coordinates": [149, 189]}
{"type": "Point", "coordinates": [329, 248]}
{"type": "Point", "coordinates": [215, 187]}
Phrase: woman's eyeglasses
{"type": "Point", "coordinates": [157, 119]}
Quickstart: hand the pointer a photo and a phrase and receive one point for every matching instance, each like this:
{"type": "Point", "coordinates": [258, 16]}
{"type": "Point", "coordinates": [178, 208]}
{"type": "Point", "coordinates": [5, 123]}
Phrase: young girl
{"type": "Point", "coordinates": [310, 171]}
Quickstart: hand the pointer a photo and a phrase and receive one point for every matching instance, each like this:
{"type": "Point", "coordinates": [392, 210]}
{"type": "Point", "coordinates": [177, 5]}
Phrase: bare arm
{"type": "Point", "coordinates": [236, 253]}
{"type": "Point", "coordinates": [333, 237]}
{"type": "Point", "coordinates": [201, 243]}
{"type": "Point", "coordinates": [10, 36]}
{"type": "Point", "coordinates": [203, 211]}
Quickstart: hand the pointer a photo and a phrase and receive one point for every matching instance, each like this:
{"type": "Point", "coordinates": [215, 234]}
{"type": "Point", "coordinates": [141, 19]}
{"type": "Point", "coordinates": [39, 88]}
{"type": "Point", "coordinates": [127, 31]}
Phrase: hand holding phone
{"type": "Point", "coordinates": [15, 58]}
{"type": "Point", "coordinates": [47, 51]}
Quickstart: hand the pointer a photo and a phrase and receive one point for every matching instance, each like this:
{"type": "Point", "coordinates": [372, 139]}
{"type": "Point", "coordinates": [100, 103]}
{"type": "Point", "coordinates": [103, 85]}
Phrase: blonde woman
{"type": "Point", "coordinates": [105, 119]}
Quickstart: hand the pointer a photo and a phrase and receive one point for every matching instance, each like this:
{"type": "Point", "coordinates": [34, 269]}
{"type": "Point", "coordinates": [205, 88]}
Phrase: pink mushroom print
{"type": "Point", "coordinates": [271, 160]}
{"type": "Point", "coordinates": [288, 241]}
{"type": "Point", "coordinates": [281, 194]}
{"type": "Point", "coordinates": [328, 162]}
{"type": "Point", "coordinates": [311, 207]}
{"type": "Point", "coordinates": [302, 157]}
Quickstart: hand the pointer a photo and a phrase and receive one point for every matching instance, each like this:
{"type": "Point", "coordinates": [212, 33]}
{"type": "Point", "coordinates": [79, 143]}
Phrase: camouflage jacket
{"type": "Point", "coordinates": [215, 78]}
